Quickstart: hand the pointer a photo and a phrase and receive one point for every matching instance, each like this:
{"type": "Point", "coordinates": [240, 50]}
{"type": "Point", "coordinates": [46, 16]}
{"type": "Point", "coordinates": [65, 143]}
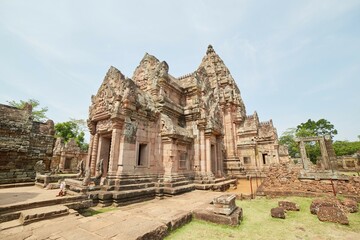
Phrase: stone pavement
{"type": "Point", "coordinates": [23, 195]}
{"type": "Point", "coordinates": [147, 220]}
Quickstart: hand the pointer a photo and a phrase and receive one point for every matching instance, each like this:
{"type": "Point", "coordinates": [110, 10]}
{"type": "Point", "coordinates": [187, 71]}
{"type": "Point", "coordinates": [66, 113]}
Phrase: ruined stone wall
{"type": "Point", "coordinates": [22, 143]}
{"type": "Point", "coordinates": [348, 163]}
{"type": "Point", "coordinates": [283, 180]}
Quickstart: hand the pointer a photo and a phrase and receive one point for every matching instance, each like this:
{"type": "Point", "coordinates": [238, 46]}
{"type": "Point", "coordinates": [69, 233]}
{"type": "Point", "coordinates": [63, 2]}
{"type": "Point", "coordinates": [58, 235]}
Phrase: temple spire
{"type": "Point", "coordinates": [210, 49]}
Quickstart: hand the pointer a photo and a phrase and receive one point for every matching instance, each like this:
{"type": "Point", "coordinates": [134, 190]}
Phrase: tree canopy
{"type": "Point", "coordinates": [38, 113]}
{"type": "Point", "coordinates": [321, 127]}
{"type": "Point", "coordinates": [310, 128]}
{"type": "Point", "coordinates": [72, 129]}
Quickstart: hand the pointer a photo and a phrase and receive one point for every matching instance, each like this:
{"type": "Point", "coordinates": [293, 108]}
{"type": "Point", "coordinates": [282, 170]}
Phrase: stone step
{"type": "Point", "coordinates": [12, 185]}
{"type": "Point", "coordinates": [42, 213]}
{"type": "Point", "coordinates": [134, 186]}
{"type": "Point", "coordinates": [220, 186]}
{"type": "Point", "coordinates": [217, 180]}
{"type": "Point", "coordinates": [178, 190]}
{"type": "Point", "coordinates": [176, 184]}
{"type": "Point", "coordinates": [128, 181]}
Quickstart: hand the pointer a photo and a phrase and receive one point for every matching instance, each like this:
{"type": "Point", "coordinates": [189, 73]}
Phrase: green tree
{"type": "Point", "coordinates": [72, 129]}
{"type": "Point", "coordinates": [37, 114]}
{"type": "Point", "coordinates": [287, 139]}
{"type": "Point", "coordinates": [316, 128]}
{"type": "Point", "coordinates": [346, 148]}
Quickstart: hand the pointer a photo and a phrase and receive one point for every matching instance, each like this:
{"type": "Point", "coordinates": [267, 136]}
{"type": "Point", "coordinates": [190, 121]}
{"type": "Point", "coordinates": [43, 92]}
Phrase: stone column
{"type": "Point", "coordinates": [344, 163]}
{"type": "Point", "coordinates": [202, 151]}
{"type": "Point", "coordinates": [303, 155]}
{"type": "Point", "coordinates": [228, 127]}
{"type": "Point", "coordinates": [94, 154]}
{"type": "Point", "coordinates": [197, 153]}
{"type": "Point", "coordinates": [220, 160]}
{"type": "Point", "coordinates": [62, 161]}
{"type": "Point", "coordinates": [208, 154]}
{"type": "Point", "coordinates": [324, 155]}
{"type": "Point", "coordinates": [114, 150]}
{"type": "Point", "coordinates": [88, 158]}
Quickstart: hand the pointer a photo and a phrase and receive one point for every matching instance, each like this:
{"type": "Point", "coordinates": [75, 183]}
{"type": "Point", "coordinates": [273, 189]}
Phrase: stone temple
{"type": "Point", "coordinates": [171, 132]}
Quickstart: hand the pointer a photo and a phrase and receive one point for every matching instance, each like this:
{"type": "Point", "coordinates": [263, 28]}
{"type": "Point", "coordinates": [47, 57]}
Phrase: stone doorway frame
{"type": "Point", "coordinates": [325, 153]}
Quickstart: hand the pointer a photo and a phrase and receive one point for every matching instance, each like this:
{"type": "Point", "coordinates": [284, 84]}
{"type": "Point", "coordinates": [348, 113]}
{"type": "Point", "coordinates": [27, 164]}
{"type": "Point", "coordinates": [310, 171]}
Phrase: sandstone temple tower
{"type": "Point", "coordinates": [191, 129]}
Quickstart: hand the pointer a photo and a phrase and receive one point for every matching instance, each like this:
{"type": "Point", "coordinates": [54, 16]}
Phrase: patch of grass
{"type": "Point", "coordinates": [258, 224]}
{"type": "Point", "coordinates": [94, 211]}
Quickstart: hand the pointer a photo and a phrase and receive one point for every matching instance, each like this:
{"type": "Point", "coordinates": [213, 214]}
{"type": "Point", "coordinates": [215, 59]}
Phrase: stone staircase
{"type": "Point", "coordinates": [177, 185]}
{"type": "Point", "coordinates": [127, 189]}
{"type": "Point", "coordinates": [216, 184]}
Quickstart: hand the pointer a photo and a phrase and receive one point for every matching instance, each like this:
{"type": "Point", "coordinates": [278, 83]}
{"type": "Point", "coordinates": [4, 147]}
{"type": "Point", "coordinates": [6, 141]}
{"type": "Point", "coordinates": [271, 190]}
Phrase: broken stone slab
{"type": "Point", "coordinates": [332, 214]}
{"type": "Point", "coordinates": [225, 204]}
{"type": "Point", "coordinates": [324, 202]}
{"type": "Point", "coordinates": [289, 206]}
{"type": "Point", "coordinates": [233, 219]}
{"type": "Point", "coordinates": [278, 212]}
{"type": "Point", "coordinates": [350, 205]}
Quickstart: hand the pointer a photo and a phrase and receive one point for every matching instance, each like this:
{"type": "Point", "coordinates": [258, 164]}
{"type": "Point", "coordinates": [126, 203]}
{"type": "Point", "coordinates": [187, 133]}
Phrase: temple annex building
{"type": "Point", "coordinates": [158, 130]}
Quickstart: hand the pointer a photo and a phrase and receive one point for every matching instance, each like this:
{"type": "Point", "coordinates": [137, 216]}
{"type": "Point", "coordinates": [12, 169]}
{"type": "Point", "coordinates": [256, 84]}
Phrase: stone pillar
{"type": "Point", "coordinates": [94, 154]}
{"type": "Point", "coordinates": [324, 155]}
{"type": "Point", "coordinates": [303, 155]}
{"type": "Point", "coordinates": [228, 127]}
{"type": "Point", "coordinates": [62, 161]}
{"type": "Point", "coordinates": [215, 159]}
{"type": "Point", "coordinates": [220, 160]}
{"type": "Point", "coordinates": [197, 153]}
{"type": "Point", "coordinates": [344, 163]}
{"type": "Point", "coordinates": [208, 154]}
{"type": "Point", "coordinates": [202, 151]}
{"type": "Point", "coordinates": [88, 158]}
{"type": "Point", "coordinates": [114, 150]}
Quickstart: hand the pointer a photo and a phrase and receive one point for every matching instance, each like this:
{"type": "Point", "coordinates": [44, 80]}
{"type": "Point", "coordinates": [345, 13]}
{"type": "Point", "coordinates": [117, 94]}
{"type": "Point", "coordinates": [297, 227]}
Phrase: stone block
{"type": "Point", "coordinates": [224, 204]}
{"type": "Point", "coordinates": [233, 219]}
{"type": "Point", "coordinates": [278, 212]}
{"type": "Point", "coordinates": [289, 206]}
{"type": "Point", "coordinates": [332, 214]}
{"type": "Point", "coordinates": [350, 205]}
{"type": "Point", "coordinates": [323, 202]}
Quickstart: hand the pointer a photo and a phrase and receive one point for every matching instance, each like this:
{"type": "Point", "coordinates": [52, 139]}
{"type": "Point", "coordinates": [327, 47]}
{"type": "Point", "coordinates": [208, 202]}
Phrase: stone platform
{"type": "Point", "coordinates": [14, 202]}
{"type": "Point", "coordinates": [147, 220]}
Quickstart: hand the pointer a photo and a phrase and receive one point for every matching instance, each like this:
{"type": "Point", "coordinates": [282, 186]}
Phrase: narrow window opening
{"type": "Point", "coordinates": [264, 156]}
{"type": "Point", "coordinates": [142, 154]}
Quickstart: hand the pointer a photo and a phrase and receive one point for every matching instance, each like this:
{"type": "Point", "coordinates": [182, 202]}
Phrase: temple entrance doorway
{"type": "Point", "coordinates": [104, 152]}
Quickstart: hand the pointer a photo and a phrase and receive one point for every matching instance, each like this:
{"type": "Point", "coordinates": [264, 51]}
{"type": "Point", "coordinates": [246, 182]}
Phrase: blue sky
{"type": "Point", "coordinates": [292, 60]}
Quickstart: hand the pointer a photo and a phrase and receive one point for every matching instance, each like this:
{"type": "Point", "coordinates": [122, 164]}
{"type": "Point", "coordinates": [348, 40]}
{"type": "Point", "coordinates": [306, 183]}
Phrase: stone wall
{"type": "Point", "coordinates": [67, 156]}
{"type": "Point", "coordinates": [348, 163]}
{"type": "Point", "coordinates": [23, 142]}
{"type": "Point", "coordinates": [289, 179]}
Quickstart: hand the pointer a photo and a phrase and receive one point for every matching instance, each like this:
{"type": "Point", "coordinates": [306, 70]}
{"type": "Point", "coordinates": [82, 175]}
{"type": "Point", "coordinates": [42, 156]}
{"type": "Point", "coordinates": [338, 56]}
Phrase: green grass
{"type": "Point", "coordinates": [258, 224]}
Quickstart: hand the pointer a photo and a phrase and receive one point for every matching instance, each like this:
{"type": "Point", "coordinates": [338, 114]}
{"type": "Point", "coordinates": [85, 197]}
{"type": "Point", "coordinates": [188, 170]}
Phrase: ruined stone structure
{"type": "Point", "coordinates": [67, 156]}
{"type": "Point", "coordinates": [23, 142]}
{"type": "Point", "coordinates": [159, 130]}
{"type": "Point", "coordinates": [328, 157]}
{"type": "Point", "coordinates": [349, 163]}
{"type": "Point", "coordinates": [294, 180]}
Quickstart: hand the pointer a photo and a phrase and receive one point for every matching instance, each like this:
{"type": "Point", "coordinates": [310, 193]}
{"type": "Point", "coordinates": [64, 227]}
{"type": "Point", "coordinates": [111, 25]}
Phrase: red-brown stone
{"type": "Point", "coordinates": [332, 214]}
{"type": "Point", "coordinates": [278, 212]}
